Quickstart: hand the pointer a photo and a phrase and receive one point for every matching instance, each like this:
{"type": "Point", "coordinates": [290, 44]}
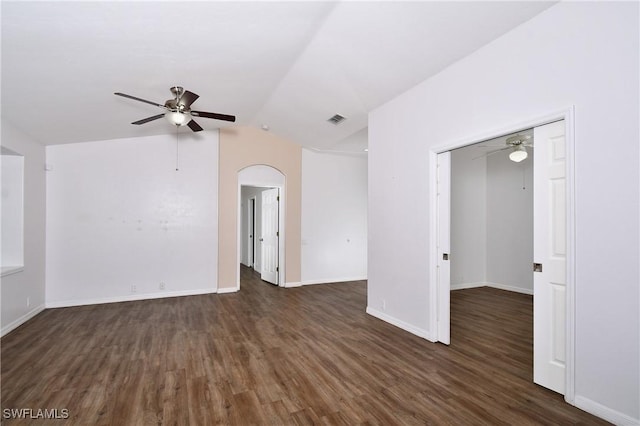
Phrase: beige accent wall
{"type": "Point", "coordinates": [241, 147]}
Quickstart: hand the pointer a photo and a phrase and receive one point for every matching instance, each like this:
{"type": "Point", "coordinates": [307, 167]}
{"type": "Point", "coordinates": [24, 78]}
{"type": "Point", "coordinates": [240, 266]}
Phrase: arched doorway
{"type": "Point", "coordinates": [253, 180]}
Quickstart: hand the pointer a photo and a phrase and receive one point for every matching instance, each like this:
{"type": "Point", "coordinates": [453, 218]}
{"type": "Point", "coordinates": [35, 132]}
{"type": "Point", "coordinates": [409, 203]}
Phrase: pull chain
{"type": "Point", "coordinates": [177, 129]}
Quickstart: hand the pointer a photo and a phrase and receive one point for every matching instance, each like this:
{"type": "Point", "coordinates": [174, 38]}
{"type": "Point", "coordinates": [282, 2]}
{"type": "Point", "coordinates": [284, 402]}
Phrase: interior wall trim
{"type": "Point", "coordinates": [334, 280]}
{"type": "Point", "coordinates": [420, 332]}
{"type": "Point", "coordinates": [128, 298]}
{"type": "Point", "coordinates": [605, 413]}
{"type": "Point", "coordinates": [18, 322]}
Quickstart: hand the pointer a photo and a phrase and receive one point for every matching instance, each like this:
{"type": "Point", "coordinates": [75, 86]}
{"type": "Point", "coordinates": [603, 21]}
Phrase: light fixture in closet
{"type": "Point", "coordinates": [518, 154]}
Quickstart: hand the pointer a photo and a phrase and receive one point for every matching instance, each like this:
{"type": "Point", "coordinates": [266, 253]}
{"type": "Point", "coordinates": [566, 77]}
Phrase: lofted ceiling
{"type": "Point", "coordinates": [287, 65]}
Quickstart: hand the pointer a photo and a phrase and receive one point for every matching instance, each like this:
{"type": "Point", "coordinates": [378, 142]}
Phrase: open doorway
{"type": "Point", "coordinates": [491, 247]}
{"type": "Point", "coordinates": [260, 231]}
{"type": "Point", "coordinates": [492, 215]}
{"type": "Point", "coordinates": [261, 247]}
{"type": "Point", "coordinates": [550, 263]}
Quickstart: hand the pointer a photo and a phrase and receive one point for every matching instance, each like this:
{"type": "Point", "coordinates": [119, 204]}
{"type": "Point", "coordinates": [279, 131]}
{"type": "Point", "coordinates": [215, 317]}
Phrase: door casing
{"type": "Point", "coordinates": [437, 304]}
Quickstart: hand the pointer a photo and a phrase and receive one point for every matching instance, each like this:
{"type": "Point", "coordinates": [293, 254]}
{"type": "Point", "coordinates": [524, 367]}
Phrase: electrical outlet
{"type": "Point", "coordinates": [384, 304]}
{"type": "Point", "coordinates": [28, 302]}
{"type": "Point", "coordinates": [133, 288]}
{"type": "Point", "coordinates": [162, 286]}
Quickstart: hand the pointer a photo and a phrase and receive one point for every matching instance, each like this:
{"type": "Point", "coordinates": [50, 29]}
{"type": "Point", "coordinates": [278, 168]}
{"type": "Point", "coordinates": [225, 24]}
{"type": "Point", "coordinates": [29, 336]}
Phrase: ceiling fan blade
{"type": "Point", "coordinates": [194, 126]}
{"type": "Point", "coordinates": [148, 119]}
{"type": "Point", "coordinates": [497, 150]}
{"type": "Point", "coordinates": [124, 95]}
{"type": "Point", "coordinates": [215, 115]}
{"type": "Point", "coordinates": [188, 98]}
{"type": "Point", "coordinates": [486, 154]}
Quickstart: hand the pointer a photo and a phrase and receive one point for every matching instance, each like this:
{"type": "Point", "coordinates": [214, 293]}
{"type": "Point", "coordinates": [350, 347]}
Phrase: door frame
{"type": "Point", "coordinates": [437, 303]}
{"type": "Point", "coordinates": [281, 224]}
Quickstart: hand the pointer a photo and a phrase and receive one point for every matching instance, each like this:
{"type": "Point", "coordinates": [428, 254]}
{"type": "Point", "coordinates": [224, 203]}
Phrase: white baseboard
{"type": "Point", "coordinates": [463, 286]}
{"type": "Point", "coordinates": [605, 413]}
{"type": "Point", "coordinates": [400, 324]}
{"type": "Point", "coordinates": [128, 298]}
{"type": "Point", "coordinates": [333, 280]}
{"type": "Point", "coordinates": [227, 290]}
{"type": "Point", "coordinates": [511, 288]}
{"type": "Point", "coordinates": [17, 323]}
{"type": "Point", "coordinates": [292, 284]}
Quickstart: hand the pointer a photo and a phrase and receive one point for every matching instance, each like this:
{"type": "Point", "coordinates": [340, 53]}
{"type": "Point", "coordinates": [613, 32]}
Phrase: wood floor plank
{"type": "Point", "coordinates": [271, 356]}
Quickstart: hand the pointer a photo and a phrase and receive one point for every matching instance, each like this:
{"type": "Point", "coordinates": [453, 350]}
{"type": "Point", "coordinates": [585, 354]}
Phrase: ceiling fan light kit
{"type": "Point", "coordinates": [518, 154]}
{"type": "Point", "coordinates": [178, 110]}
{"type": "Point", "coordinates": [177, 118]}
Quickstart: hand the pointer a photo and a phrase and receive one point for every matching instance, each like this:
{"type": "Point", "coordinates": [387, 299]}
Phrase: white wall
{"type": "Point", "coordinates": [334, 217]}
{"type": "Point", "coordinates": [510, 223]}
{"type": "Point", "coordinates": [23, 293]}
{"type": "Point", "coordinates": [574, 53]}
{"type": "Point", "coordinates": [120, 215]}
{"type": "Point", "coordinates": [12, 247]}
{"type": "Point", "coordinates": [468, 218]}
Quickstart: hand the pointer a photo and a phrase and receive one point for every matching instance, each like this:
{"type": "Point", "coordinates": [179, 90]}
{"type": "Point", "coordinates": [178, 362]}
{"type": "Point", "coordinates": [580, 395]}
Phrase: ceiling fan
{"type": "Point", "coordinates": [178, 110]}
{"type": "Point", "coordinates": [518, 145]}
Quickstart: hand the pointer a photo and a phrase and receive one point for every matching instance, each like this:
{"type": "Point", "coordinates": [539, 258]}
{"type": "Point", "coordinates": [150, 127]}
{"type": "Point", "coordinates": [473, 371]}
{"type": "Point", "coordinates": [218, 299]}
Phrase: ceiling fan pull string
{"type": "Point", "coordinates": [177, 130]}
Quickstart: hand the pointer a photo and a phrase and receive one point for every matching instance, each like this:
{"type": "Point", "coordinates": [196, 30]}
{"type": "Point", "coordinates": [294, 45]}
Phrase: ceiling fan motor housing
{"type": "Point", "coordinates": [517, 140]}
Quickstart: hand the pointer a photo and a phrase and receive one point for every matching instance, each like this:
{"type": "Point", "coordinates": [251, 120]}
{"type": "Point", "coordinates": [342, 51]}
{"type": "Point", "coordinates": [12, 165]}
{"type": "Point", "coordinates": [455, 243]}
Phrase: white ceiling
{"type": "Point", "coordinates": [289, 65]}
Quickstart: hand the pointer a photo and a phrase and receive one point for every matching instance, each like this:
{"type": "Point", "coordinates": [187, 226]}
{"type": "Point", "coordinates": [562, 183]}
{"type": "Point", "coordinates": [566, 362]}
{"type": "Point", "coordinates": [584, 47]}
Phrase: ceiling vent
{"type": "Point", "coordinates": [336, 119]}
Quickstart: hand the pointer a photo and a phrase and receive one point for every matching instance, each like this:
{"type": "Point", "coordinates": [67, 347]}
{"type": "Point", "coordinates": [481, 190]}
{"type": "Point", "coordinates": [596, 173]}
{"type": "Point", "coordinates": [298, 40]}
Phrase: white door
{"type": "Point", "coordinates": [549, 256]}
{"type": "Point", "coordinates": [270, 235]}
{"type": "Point", "coordinates": [443, 200]}
{"type": "Point", "coordinates": [251, 230]}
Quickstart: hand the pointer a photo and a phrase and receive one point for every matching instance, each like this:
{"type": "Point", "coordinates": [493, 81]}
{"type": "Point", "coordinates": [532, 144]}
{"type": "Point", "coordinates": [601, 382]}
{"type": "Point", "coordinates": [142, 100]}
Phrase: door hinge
{"type": "Point", "coordinates": [277, 269]}
{"type": "Point", "coordinates": [277, 233]}
{"type": "Point", "coordinates": [278, 198]}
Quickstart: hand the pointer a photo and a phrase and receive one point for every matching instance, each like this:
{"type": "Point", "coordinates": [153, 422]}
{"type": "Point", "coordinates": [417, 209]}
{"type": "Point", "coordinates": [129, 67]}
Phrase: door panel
{"type": "Point", "coordinates": [549, 285]}
{"type": "Point", "coordinates": [270, 235]}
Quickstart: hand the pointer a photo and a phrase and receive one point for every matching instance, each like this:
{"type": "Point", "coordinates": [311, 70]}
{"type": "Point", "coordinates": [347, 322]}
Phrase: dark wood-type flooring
{"type": "Point", "coordinates": [268, 355]}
